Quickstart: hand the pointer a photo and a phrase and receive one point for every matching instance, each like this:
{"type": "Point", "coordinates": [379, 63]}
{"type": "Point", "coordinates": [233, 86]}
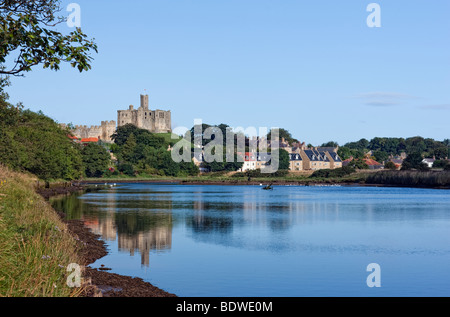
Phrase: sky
{"type": "Point", "coordinates": [314, 68]}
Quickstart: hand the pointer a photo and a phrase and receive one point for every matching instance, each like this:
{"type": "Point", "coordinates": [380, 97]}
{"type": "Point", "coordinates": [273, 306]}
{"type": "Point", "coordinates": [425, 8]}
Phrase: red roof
{"type": "Point", "coordinates": [371, 162]}
{"type": "Point", "coordinates": [89, 140]}
{"type": "Point", "coordinates": [368, 161]}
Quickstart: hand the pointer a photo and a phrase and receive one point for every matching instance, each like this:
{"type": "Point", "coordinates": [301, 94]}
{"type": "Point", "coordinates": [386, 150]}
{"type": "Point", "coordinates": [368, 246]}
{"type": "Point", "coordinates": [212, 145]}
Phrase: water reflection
{"type": "Point", "coordinates": [136, 222]}
{"type": "Point", "coordinates": [142, 217]}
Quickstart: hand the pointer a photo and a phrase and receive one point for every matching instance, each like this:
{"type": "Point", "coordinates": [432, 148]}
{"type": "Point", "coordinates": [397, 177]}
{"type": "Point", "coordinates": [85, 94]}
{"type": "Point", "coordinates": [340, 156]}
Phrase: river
{"type": "Point", "coordinates": [292, 241]}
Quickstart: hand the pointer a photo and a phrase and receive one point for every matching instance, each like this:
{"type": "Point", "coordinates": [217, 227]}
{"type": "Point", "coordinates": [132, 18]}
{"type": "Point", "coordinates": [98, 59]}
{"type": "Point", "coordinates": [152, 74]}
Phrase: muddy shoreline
{"type": "Point", "coordinates": [100, 282]}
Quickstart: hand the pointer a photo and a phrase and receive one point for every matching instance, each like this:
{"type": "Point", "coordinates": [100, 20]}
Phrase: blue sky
{"type": "Point", "coordinates": [312, 67]}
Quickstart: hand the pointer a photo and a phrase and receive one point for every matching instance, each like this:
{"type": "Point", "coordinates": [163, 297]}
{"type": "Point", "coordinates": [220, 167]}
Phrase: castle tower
{"type": "Point", "coordinates": [144, 102]}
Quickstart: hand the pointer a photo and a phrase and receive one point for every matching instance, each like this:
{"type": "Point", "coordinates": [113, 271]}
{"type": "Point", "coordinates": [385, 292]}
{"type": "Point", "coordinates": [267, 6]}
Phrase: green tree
{"type": "Point", "coordinates": [29, 33]}
{"type": "Point", "coordinates": [142, 136]}
{"type": "Point", "coordinates": [128, 150]}
{"type": "Point", "coordinates": [381, 156]}
{"type": "Point", "coordinates": [35, 143]}
{"type": "Point", "coordinates": [413, 160]}
{"type": "Point", "coordinates": [284, 160]}
{"type": "Point", "coordinates": [361, 145]}
{"type": "Point", "coordinates": [283, 133]}
{"type": "Point", "coordinates": [440, 163]}
{"type": "Point", "coordinates": [330, 144]}
{"type": "Point", "coordinates": [95, 159]}
{"type": "Point", "coordinates": [358, 163]}
{"type": "Point", "coordinates": [441, 153]}
{"type": "Point", "coordinates": [217, 166]}
{"type": "Point", "coordinates": [390, 165]}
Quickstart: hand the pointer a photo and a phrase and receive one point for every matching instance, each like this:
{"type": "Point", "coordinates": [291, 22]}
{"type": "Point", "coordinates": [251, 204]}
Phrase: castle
{"type": "Point", "coordinates": [155, 121]}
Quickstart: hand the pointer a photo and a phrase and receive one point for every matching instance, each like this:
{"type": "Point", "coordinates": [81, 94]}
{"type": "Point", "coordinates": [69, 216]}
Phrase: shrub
{"type": "Point", "coordinates": [390, 165]}
{"type": "Point", "coordinates": [338, 172]}
{"type": "Point", "coordinates": [127, 169]}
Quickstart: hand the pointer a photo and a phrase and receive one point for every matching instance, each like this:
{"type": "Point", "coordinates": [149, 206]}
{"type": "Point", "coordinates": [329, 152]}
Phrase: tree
{"type": "Point", "coordinates": [390, 165]}
{"type": "Point", "coordinates": [361, 145]}
{"type": "Point", "coordinates": [35, 143]}
{"type": "Point", "coordinates": [142, 136]}
{"type": "Point", "coordinates": [216, 166]}
{"type": "Point", "coordinates": [440, 163]}
{"type": "Point", "coordinates": [413, 160]}
{"type": "Point", "coordinates": [95, 159]}
{"type": "Point", "coordinates": [127, 152]}
{"type": "Point", "coordinates": [29, 34]}
{"type": "Point", "coordinates": [284, 160]}
{"type": "Point", "coordinates": [283, 133]}
{"type": "Point", "coordinates": [441, 153]}
{"type": "Point", "coordinates": [330, 144]}
{"type": "Point", "coordinates": [415, 145]}
{"type": "Point", "coordinates": [358, 163]}
{"type": "Point", "coordinates": [380, 156]}
{"type": "Point", "coordinates": [345, 153]}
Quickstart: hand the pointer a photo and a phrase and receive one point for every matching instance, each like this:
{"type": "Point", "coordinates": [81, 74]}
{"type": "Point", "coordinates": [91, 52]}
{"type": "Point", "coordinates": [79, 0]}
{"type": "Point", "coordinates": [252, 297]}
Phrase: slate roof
{"type": "Point", "coordinates": [312, 156]}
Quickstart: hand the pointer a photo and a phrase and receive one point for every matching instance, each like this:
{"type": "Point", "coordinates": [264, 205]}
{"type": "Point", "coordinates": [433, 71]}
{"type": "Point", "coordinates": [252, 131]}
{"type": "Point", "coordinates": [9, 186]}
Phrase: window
{"type": "Point", "coordinates": [161, 115]}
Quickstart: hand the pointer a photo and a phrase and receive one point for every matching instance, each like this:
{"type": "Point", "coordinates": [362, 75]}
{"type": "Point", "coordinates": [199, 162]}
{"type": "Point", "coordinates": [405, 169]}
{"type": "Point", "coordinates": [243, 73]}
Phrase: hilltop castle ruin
{"type": "Point", "coordinates": [155, 121]}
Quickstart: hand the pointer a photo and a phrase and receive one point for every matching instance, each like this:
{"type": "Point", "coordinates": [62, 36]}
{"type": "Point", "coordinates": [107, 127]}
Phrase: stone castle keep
{"type": "Point", "coordinates": [155, 121]}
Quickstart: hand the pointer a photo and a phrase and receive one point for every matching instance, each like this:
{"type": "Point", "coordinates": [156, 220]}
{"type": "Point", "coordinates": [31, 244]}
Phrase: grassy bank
{"type": "Point", "coordinates": [35, 245]}
{"type": "Point", "coordinates": [233, 178]}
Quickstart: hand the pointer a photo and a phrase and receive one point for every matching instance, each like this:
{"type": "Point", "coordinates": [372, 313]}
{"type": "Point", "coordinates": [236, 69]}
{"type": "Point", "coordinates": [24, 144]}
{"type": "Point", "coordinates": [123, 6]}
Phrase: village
{"type": "Point", "coordinates": [303, 159]}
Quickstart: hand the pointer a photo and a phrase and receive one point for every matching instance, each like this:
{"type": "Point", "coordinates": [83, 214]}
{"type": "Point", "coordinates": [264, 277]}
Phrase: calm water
{"type": "Point", "coordinates": [292, 241]}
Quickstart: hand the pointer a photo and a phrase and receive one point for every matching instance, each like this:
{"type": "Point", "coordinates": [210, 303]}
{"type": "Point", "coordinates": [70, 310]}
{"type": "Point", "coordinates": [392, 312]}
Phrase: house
{"type": "Point", "coordinates": [295, 162]}
{"type": "Point", "coordinates": [335, 160]}
{"type": "Point", "coordinates": [311, 161]}
{"type": "Point", "coordinates": [262, 160]}
{"type": "Point", "coordinates": [198, 159]}
{"type": "Point", "coordinates": [429, 161]}
{"type": "Point", "coordinates": [397, 161]}
{"type": "Point", "coordinates": [326, 163]}
{"type": "Point", "coordinates": [371, 163]}
{"type": "Point", "coordinates": [250, 160]}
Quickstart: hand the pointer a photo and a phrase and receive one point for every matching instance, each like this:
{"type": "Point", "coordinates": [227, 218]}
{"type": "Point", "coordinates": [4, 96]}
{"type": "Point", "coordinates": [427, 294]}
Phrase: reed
{"type": "Point", "coordinates": [411, 178]}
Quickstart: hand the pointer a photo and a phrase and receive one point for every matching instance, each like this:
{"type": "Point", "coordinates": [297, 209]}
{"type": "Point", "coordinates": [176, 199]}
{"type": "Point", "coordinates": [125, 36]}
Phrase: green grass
{"type": "Point", "coordinates": [35, 245]}
{"type": "Point", "coordinates": [168, 137]}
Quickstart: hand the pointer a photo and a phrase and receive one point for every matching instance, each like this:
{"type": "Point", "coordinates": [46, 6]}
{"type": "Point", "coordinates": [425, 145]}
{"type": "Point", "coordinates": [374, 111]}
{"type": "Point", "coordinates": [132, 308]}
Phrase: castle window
{"type": "Point", "coordinates": [161, 115]}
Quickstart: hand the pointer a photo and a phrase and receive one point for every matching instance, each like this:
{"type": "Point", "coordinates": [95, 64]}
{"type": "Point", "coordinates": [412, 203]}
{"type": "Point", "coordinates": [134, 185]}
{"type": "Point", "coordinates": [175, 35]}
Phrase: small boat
{"type": "Point", "coordinates": [267, 187]}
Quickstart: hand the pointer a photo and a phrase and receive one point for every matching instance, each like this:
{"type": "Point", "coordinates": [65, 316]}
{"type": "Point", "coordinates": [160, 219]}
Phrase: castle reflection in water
{"type": "Point", "coordinates": [141, 219]}
{"type": "Point", "coordinates": [134, 227]}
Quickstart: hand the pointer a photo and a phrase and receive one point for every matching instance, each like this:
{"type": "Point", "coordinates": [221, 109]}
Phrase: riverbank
{"type": "Point", "coordinates": [37, 244]}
